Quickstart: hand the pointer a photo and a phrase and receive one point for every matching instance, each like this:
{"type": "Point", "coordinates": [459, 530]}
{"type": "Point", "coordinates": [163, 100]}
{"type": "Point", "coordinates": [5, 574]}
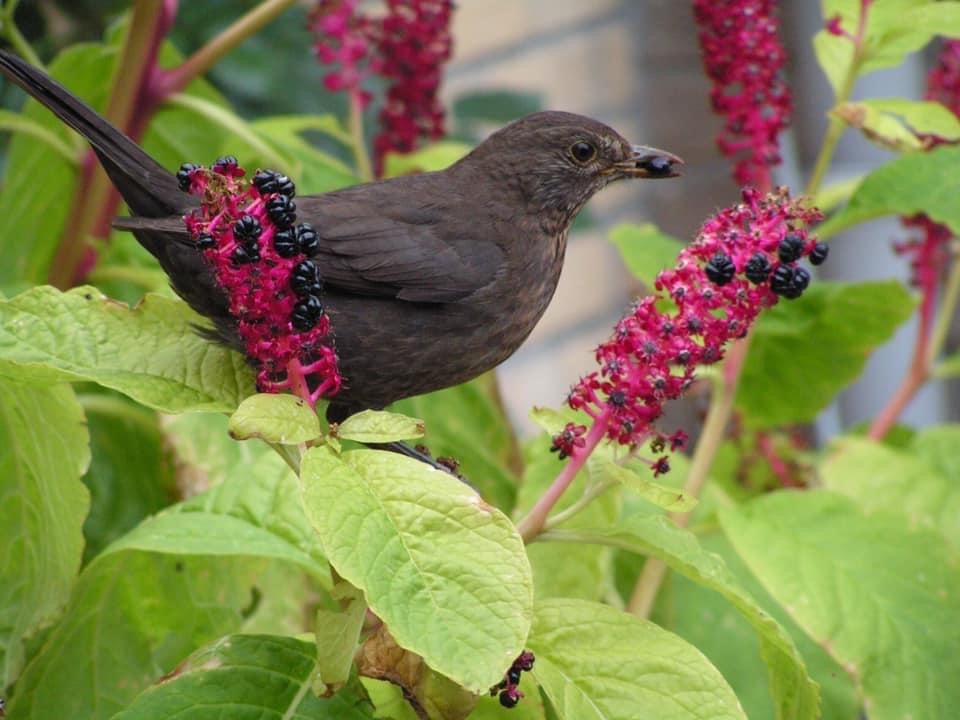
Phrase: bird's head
{"type": "Point", "coordinates": [559, 160]}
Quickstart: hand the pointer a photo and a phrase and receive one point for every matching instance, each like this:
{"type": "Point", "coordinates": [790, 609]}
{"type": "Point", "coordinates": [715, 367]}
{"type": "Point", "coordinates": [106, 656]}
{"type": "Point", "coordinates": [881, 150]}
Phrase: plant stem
{"type": "Point", "coordinates": [167, 82]}
{"type": "Point", "coordinates": [714, 428]}
{"type": "Point", "coordinates": [359, 142]}
{"type": "Point", "coordinates": [13, 35]}
{"type": "Point", "coordinates": [533, 524]}
{"type": "Point", "coordinates": [582, 502]}
{"type": "Point", "coordinates": [95, 201]}
{"type": "Point", "coordinates": [947, 309]}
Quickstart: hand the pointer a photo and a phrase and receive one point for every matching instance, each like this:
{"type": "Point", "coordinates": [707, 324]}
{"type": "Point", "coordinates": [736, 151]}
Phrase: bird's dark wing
{"type": "Point", "coordinates": [390, 249]}
{"type": "Point", "coordinates": [398, 249]}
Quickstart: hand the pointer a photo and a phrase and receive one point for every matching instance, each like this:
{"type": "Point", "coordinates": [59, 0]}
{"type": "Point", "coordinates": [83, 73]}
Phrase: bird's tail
{"type": "Point", "coordinates": [148, 189]}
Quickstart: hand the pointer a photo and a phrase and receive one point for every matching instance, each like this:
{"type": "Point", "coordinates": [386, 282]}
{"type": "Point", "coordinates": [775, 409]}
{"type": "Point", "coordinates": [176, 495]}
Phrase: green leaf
{"type": "Point", "coordinates": [256, 512]}
{"type": "Point", "coordinates": [595, 662]}
{"type": "Point", "coordinates": [550, 420]}
{"type": "Point", "coordinates": [896, 123]}
{"type": "Point", "coordinates": [372, 426]}
{"type": "Point", "coordinates": [152, 352]}
{"type": "Point", "coordinates": [468, 423]}
{"type": "Point", "coordinates": [791, 373]}
{"type": "Point", "coordinates": [948, 368]}
{"type": "Point", "coordinates": [881, 598]}
{"type": "Point", "coordinates": [576, 571]}
{"type": "Point", "coordinates": [913, 183]}
{"type": "Point", "coordinates": [132, 473]}
{"type": "Point", "coordinates": [337, 638]}
{"type": "Point", "coordinates": [834, 55]}
{"type": "Point", "coordinates": [132, 618]}
{"type": "Point", "coordinates": [436, 156]}
{"type": "Point", "coordinates": [646, 250]}
{"type": "Point", "coordinates": [795, 695]}
{"type": "Point", "coordinates": [663, 496]}
{"type": "Point", "coordinates": [17, 123]}
{"type": "Point", "coordinates": [284, 419]}
{"type": "Point", "coordinates": [710, 623]}
{"type": "Point", "coordinates": [446, 572]}
{"type": "Point", "coordinates": [262, 676]}
{"type": "Point", "coordinates": [917, 482]}
{"type": "Point", "coordinates": [39, 182]}
{"type": "Point", "coordinates": [44, 453]}
{"type": "Point", "coordinates": [313, 170]}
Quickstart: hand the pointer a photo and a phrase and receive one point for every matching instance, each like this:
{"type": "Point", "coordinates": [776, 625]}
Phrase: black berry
{"type": "Point", "coordinates": [282, 211]}
{"type": "Point", "coordinates": [247, 230]}
{"type": "Point", "coordinates": [509, 699]}
{"type": "Point", "coordinates": [243, 254]}
{"type": "Point", "coordinates": [720, 269]}
{"type": "Point", "coordinates": [819, 253]}
{"type": "Point", "coordinates": [801, 279]}
{"type": "Point", "coordinates": [224, 162]}
{"type": "Point", "coordinates": [758, 268]}
{"type": "Point", "coordinates": [306, 313]}
{"type": "Point", "coordinates": [285, 243]}
{"type": "Point", "coordinates": [270, 181]}
{"type": "Point", "coordinates": [206, 241]}
{"type": "Point", "coordinates": [305, 279]}
{"type": "Point", "coordinates": [307, 239]}
{"type": "Point", "coordinates": [789, 282]}
{"type": "Point", "coordinates": [185, 175]}
{"type": "Point", "coordinates": [790, 248]}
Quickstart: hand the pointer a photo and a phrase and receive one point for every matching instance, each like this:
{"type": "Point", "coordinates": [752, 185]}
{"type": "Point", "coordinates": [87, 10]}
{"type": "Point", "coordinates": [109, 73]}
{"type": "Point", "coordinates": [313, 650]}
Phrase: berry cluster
{"type": "Point", "coordinates": [744, 57]}
{"type": "Point", "coordinates": [406, 46]}
{"type": "Point", "coordinates": [260, 256]}
{"type": "Point", "coordinates": [413, 44]}
{"type": "Point", "coordinates": [743, 260]}
{"type": "Point", "coordinates": [508, 689]}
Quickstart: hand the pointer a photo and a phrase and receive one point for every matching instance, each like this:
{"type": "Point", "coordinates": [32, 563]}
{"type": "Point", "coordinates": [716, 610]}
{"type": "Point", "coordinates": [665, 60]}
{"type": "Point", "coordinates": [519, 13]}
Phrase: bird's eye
{"type": "Point", "coordinates": [583, 152]}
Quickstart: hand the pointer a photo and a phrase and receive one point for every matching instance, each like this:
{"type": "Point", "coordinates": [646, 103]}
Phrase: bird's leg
{"type": "Point", "coordinates": [423, 456]}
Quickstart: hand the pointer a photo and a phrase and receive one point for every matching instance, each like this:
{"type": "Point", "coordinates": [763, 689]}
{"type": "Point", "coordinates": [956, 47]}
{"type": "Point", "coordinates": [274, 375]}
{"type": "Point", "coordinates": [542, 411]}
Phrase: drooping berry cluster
{"type": "Point", "coordinates": [406, 46]}
{"type": "Point", "coordinates": [743, 56]}
{"type": "Point", "coordinates": [744, 258]}
{"type": "Point", "coordinates": [413, 44]}
{"type": "Point", "coordinates": [260, 256]}
{"type": "Point", "coordinates": [508, 689]}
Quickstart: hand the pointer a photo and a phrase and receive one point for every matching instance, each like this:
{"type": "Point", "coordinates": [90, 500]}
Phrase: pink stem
{"type": "Point", "coordinates": [532, 524]}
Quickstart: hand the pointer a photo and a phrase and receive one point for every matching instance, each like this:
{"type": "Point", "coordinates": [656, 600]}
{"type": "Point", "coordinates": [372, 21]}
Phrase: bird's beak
{"type": "Point", "coordinates": [648, 162]}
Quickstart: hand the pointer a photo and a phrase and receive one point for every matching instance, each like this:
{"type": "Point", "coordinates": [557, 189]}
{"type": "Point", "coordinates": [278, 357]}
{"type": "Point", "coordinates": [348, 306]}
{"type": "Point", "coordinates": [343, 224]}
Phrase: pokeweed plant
{"type": "Point", "coordinates": [179, 544]}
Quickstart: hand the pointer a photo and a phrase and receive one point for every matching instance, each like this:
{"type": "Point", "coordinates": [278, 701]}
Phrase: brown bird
{"type": "Point", "coordinates": [430, 279]}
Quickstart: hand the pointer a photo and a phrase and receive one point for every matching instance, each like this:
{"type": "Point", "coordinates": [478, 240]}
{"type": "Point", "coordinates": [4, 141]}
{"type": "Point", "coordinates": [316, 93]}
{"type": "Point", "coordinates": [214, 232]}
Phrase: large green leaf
{"type": "Point", "coordinates": [574, 571]}
{"type": "Point", "coordinates": [468, 423]}
{"type": "Point", "coordinates": [132, 618]}
{"type": "Point", "coordinates": [151, 353]}
{"type": "Point", "coordinates": [44, 453]}
{"type": "Point", "coordinates": [791, 373]}
{"type": "Point", "coordinates": [882, 598]}
{"type": "Point", "coordinates": [913, 183]}
{"type": "Point", "coordinates": [893, 30]}
{"type": "Point", "coordinates": [919, 481]}
{"type": "Point", "coordinates": [795, 695]}
{"type": "Point", "coordinates": [708, 621]}
{"type": "Point", "coordinates": [132, 473]}
{"type": "Point", "coordinates": [247, 676]}
{"type": "Point", "coordinates": [446, 572]}
{"type": "Point", "coordinates": [897, 123]}
{"type": "Point", "coordinates": [39, 182]}
{"type": "Point", "coordinates": [597, 663]}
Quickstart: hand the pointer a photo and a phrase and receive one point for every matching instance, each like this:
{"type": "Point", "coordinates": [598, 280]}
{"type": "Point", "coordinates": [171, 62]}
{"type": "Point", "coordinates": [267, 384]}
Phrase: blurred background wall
{"type": "Point", "coordinates": [634, 64]}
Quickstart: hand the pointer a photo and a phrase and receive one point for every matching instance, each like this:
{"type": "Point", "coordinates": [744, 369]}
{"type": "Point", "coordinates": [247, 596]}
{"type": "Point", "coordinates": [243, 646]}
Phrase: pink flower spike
{"type": "Point", "coordinates": [744, 58]}
{"type": "Point", "coordinates": [745, 258]}
{"type": "Point", "coordinates": [248, 234]}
